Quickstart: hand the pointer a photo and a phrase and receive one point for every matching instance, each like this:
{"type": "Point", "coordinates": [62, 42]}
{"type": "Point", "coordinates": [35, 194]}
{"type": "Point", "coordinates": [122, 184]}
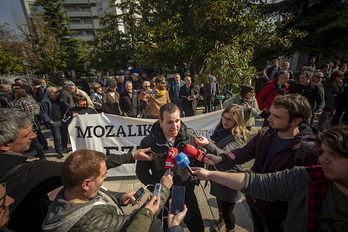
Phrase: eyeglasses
{"type": "Point", "coordinates": [163, 82]}
{"type": "Point", "coordinates": [3, 198]}
{"type": "Point", "coordinates": [227, 119]}
{"type": "Point", "coordinates": [147, 86]}
{"type": "Point", "coordinates": [55, 92]}
{"type": "Point", "coordinates": [318, 76]}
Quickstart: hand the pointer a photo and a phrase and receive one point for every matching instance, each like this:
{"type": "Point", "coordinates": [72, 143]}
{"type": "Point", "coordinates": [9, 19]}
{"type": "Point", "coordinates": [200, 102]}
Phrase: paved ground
{"type": "Point", "coordinates": [207, 202]}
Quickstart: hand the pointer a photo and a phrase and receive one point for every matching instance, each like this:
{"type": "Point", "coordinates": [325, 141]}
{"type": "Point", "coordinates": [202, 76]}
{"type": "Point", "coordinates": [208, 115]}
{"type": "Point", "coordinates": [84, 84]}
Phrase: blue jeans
{"type": "Point", "coordinates": [60, 136]}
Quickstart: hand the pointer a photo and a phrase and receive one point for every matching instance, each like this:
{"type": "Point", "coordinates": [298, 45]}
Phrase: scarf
{"type": "Point", "coordinates": [160, 92]}
{"type": "Point", "coordinates": [220, 133]}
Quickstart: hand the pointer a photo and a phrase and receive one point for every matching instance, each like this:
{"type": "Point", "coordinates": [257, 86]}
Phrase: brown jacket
{"type": "Point", "coordinates": [156, 101]}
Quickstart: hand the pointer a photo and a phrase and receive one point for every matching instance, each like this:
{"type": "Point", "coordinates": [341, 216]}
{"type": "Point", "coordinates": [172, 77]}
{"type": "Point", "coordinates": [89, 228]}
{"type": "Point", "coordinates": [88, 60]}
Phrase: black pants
{"type": "Point", "coordinates": [226, 210]}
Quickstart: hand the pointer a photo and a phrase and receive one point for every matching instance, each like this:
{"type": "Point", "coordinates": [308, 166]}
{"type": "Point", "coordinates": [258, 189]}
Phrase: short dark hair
{"type": "Point", "coordinates": [336, 139]}
{"type": "Point", "coordinates": [246, 89]}
{"type": "Point", "coordinates": [169, 107]}
{"type": "Point", "coordinates": [307, 73]}
{"type": "Point", "coordinates": [296, 104]}
{"type": "Point", "coordinates": [79, 97]}
{"type": "Point", "coordinates": [81, 165]}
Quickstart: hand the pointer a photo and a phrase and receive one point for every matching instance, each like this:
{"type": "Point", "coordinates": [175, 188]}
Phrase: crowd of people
{"type": "Point", "coordinates": [299, 171]}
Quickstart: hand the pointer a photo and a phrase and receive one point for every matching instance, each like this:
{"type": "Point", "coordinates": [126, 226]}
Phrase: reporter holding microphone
{"type": "Point", "coordinates": [229, 134]}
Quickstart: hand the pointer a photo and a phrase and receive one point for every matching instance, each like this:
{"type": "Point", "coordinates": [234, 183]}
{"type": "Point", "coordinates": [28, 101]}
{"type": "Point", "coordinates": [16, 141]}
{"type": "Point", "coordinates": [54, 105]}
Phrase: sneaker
{"type": "Point", "coordinates": [217, 225]}
{"type": "Point", "coordinates": [60, 156]}
{"type": "Point", "coordinates": [67, 150]}
{"type": "Point", "coordinates": [45, 147]}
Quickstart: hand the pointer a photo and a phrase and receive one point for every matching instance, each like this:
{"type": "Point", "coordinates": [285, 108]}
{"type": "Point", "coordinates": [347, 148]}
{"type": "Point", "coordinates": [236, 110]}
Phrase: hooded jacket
{"type": "Point", "coordinates": [266, 96]}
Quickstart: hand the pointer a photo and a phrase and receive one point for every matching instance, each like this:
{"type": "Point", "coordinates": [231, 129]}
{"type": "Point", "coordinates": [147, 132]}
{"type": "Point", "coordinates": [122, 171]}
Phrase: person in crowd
{"type": "Point", "coordinates": [40, 89]}
{"type": "Point", "coordinates": [261, 80]}
{"type": "Point", "coordinates": [84, 205]}
{"type": "Point", "coordinates": [100, 79]}
{"type": "Point", "coordinates": [285, 67]}
{"type": "Point", "coordinates": [137, 82]}
{"type": "Point", "coordinates": [153, 80]}
{"type": "Point", "coordinates": [165, 133]}
{"type": "Point", "coordinates": [324, 68]}
{"type": "Point", "coordinates": [143, 75]}
{"type": "Point", "coordinates": [111, 100]}
{"type": "Point", "coordinates": [273, 70]}
{"type": "Point", "coordinates": [68, 92]}
{"type": "Point", "coordinates": [335, 65]}
{"type": "Point", "coordinates": [6, 97]}
{"type": "Point", "coordinates": [343, 68]}
{"type": "Point", "coordinates": [81, 107]}
{"type": "Point", "coordinates": [188, 94]}
{"type": "Point", "coordinates": [120, 84]}
{"type": "Point", "coordinates": [26, 88]}
{"type": "Point", "coordinates": [83, 85]}
{"type": "Point", "coordinates": [157, 97]}
{"type": "Point", "coordinates": [174, 89]}
{"type": "Point", "coordinates": [278, 86]}
{"type": "Point", "coordinates": [229, 134]}
{"type": "Point", "coordinates": [174, 220]}
{"type": "Point", "coordinates": [209, 90]}
{"type": "Point", "coordinates": [314, 94]}
{"type": "Point", "coordinates": [5, 202]}
{"type": "Point", "coordinates": [317, 195]}
{"type": "Point", "coordinates": [24, 104]}
{"type": "Point", "coordinates": [27, 182]}
{"type": "Point", "coordinates": [145, 103]}
{"type": "Point", "coordinates": [287, 142]}
{"type": "Point", "coordinates": [340, 96]}
{"type": "Point", "coordinates": [52, 110]}
{"type": "Point", "coordinates": [97, 97]}
{"type": "Point", "coordinates": [129, 103]}
{"type": "Point", "coordinates": [246, 100]}
{"type": "Point", "coordinates": [127, 76]}
{"type": "Point", "coordinates": [311, 63]}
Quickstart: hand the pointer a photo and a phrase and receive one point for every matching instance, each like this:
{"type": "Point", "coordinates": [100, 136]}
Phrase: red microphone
{"type": "Point", "coordinates": [171, 154]}
{"type": "Point", "coordinates": [194, 152]}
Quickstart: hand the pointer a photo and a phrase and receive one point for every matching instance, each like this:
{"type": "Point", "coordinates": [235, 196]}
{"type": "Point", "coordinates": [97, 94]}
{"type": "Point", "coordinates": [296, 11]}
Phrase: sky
{"type": "Point", "coordinates": [6, 9]}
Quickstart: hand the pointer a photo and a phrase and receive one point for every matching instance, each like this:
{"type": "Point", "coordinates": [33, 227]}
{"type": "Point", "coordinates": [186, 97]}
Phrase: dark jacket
{"type": "Point", "coordinates": [28, 183]}
{"type": "Point", "coordinates": [257, 148]}
{"type": "Point", "coordinates": [111, 104]}
{"type": "Point", "coordinates": [68, 116]}
{"type": "Point", "coordinates": [330, 94]}
{"type": "Point", "coordinates": [313, 93]}
{"type": "Point", "coordinates": [104, 213]}
{"type": "Point", "coordinates": [157, 141]}
{"type": "Point", "coordinates": [266, 96]}
{"type": "Point", "coordinates": [174, 91]}
{"type": "Point", "coordinates": [5, 100]}
{"type": "Point", "coordinates": [46, 109]}
{"type": "Point", "coordinates": [225, 144]}
{"type": "Point", "coordinates": [189, 107]}
{"type": "Point", "coordinates": [128, 105]}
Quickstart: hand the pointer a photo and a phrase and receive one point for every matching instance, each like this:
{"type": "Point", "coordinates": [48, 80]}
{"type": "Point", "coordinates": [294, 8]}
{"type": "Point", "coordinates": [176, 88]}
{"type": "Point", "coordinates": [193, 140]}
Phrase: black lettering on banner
{"type": "Point", "coordinates": [109, 131]}
{"type": "Point", "coordinates": [128, 148]}
{"type": "Point", "coordinates": [121, 131]}
{"type": "Point", "coordinates": [147, 129]}
{"type": "Point", "coordinates": [102, 131]}
{"type": "Point", "coordinates": [130, 131]}
{"type": "Point", "coordinates": [80, 133]}
{"type": "Point", "coordinates": [139, 130]}
{"type": "Point", "coordinates": [108, 149]}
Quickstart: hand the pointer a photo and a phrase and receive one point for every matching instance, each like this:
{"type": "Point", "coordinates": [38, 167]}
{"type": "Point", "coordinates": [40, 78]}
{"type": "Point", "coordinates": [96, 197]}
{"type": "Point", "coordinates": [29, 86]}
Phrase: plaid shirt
{"type": "Point", "coordinates": [25, 105]}
{"type": "Point", "coordinates": [316, 190]}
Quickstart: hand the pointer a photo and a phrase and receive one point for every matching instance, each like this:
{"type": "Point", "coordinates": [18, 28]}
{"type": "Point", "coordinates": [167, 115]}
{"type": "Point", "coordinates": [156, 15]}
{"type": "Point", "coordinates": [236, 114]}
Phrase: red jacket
{"type": "Point", "coordinates": [266, 96]}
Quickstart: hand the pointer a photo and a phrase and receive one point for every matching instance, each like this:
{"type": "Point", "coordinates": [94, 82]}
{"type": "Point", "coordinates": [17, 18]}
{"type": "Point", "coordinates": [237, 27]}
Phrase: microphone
{"type": "Point", "coordinates": [183, 162]}
{"type": "Point", "coordinates": [171, 154]}
{"type": "Point", "coordinates": [194, 152]}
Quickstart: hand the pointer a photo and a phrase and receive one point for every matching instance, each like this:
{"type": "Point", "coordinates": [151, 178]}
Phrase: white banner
{"type": "Point", "coordinates": [112, 134]}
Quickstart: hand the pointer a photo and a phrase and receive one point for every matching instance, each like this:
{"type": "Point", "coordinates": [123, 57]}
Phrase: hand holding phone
{"type": "Point", "coordinates": [178, 199]}
{"type": "Point", "coordinates": [157, 189]}
{"type": "Point", "coordinates": [154, 92]}
{"type": "Point", "coordinates": [138, 195]}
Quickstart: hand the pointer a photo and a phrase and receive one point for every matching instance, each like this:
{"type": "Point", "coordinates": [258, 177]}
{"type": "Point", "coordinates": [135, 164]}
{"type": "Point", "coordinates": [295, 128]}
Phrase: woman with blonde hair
{"type": "Point", "coordinates": [229, 134]}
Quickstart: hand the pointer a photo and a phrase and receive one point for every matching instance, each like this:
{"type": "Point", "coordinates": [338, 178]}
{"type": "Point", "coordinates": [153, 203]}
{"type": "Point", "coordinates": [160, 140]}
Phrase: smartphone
{"type": "Point", "coordinates": [138, 195]}
{"type": "Point", "coordinates": [150, 153]}
{"type": "Point", "coordinates": [178, 199]}
{"type": "Point", "coordinates": [157, 189]}
{"type": "Point", "coordinates": [155, 92]}
{"type": "Point", "coordinates": [194, 135]}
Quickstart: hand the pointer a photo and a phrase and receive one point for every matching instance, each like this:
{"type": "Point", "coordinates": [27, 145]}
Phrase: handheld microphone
{"type": "Point", "coordinates": [171, 154]}
{"type": "Point", "coordinates": [183, 162]}
{"type": "Point", "coordinates": [194, 152]}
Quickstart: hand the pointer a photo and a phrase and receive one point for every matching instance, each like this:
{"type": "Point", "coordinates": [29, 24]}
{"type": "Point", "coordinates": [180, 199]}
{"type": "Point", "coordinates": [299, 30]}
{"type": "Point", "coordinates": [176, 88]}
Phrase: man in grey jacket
{"type": "Point", "coordinates": [84, 205]}
{"type": "Point", "coordinates": [317, 195]}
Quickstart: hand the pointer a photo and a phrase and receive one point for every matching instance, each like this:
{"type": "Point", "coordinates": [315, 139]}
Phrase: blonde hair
{"type": "Point", "coordinates": [239, 132]}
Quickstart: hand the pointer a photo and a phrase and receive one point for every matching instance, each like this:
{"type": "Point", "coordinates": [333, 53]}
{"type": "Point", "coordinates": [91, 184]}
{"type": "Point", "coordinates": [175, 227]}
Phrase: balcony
{"type": "Point", "coordinates": [78, 14]}
{"type": "Point", "coordinates": [78, 2]}
{"type": "Point", "coordinates": [85, 37]}
{"type": "Point", "coordinates": [79, 26]}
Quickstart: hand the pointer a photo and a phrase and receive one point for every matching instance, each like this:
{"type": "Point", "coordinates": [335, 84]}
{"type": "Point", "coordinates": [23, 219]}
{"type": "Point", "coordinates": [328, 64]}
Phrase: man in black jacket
{"type": "Point", "coordinates": [129, 102]}
{"type": "Point", "coordinates": [169, 132]}
{"type": "Point", "coordinates": [27, 182]}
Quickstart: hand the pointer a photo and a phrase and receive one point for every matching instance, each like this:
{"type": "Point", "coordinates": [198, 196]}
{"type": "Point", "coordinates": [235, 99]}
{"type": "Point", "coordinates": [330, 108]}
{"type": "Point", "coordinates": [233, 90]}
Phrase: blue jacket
{"type": "Point", "coordinates": [46, 109]}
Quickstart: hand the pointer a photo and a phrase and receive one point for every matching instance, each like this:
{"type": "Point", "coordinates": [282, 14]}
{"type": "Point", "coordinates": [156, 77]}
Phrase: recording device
{"type": "Point", "coordinates": [150, 153]}
{"type": "Point", "coordinates": [194, 152]}
{"type": "Point", "coordinates": [194, 135]}
{"type": "Point", "coordinates": [171, 154]}
{"type": "Point", "coordinates": [178, 199]}
{"type": "Point", "coordinates": [157, 189]}
{"type": "Point", "coordinates": [154, 92]}
{"type": "Point", "coordinates": [138, 195]}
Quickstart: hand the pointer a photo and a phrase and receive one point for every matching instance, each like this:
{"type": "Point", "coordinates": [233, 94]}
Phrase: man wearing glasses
{"type": "Point", "coordinates": [5, 202]}
{"type": "Point", "coordinates": [157, 97]}
{"type": "Point", "coordinates": [27, 182]}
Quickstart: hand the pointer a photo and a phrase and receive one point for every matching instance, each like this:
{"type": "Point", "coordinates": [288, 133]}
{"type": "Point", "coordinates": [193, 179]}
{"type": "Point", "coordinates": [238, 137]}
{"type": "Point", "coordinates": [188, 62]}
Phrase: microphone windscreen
{"type": "Point", "coordinates": [172, 153]}
{"type": "Point", "coordinates": [182, 160]}
{"type": "Point", "coordinates": [170, 164]}
{"type": "Point", "coordinates": [190, 150]}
